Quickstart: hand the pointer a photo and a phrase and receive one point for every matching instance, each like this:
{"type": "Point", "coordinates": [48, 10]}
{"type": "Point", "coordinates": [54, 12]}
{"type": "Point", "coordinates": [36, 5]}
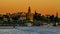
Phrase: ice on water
{"type": "Point", "coordinates": [29, 30]}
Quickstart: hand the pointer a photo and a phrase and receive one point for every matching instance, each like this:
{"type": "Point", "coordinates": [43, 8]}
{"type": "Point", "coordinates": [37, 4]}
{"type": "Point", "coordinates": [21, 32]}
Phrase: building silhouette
{"type": "Point", "coordinates": [57, 14]}
{"type": "Point", "coordinates": [29, 15]}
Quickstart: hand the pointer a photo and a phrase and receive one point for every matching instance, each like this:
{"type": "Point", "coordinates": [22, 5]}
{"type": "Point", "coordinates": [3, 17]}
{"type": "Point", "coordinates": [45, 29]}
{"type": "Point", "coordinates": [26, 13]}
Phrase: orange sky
{"type": "Point", "coordinates": [41, 6]}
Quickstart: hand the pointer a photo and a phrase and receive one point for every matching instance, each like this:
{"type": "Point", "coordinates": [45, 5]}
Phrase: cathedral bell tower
{"type": "Point", "coordinates": [29, 9]}
{"type": "Point", "coordinates": [28, 13]}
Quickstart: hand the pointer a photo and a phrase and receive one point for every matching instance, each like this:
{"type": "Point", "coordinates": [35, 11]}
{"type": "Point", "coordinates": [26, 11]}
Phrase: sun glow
{"type": "Point", "coordinates": [41, 6]}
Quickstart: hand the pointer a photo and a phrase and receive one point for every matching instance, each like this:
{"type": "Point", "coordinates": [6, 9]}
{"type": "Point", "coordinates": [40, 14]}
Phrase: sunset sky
{"type": "Point", "coordinates": [41, 6]}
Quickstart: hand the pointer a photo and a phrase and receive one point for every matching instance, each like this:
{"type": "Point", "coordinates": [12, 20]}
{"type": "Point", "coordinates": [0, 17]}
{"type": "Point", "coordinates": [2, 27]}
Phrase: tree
{"type": "Point", "coordinates": [51, 18]}
{"type": "Point", "coordinates": [37, 16]}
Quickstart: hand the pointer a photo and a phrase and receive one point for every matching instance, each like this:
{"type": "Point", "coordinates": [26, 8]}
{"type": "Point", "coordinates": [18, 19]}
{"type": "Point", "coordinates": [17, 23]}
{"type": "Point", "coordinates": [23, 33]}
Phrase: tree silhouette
{"type": "Point", "coordinates": [51, 18]}
{"type": "Point", "coordinates": [56, 19]}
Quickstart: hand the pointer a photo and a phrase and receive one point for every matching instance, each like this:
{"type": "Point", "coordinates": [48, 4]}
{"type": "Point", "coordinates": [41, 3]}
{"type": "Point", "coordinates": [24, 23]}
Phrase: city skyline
{"type": "Point", "coordinates": [41, 6]}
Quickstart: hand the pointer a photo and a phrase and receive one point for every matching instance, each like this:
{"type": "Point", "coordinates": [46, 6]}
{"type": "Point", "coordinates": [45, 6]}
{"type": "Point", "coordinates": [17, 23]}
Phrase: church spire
{"type": "Point", "coordinates": [29, 9]}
